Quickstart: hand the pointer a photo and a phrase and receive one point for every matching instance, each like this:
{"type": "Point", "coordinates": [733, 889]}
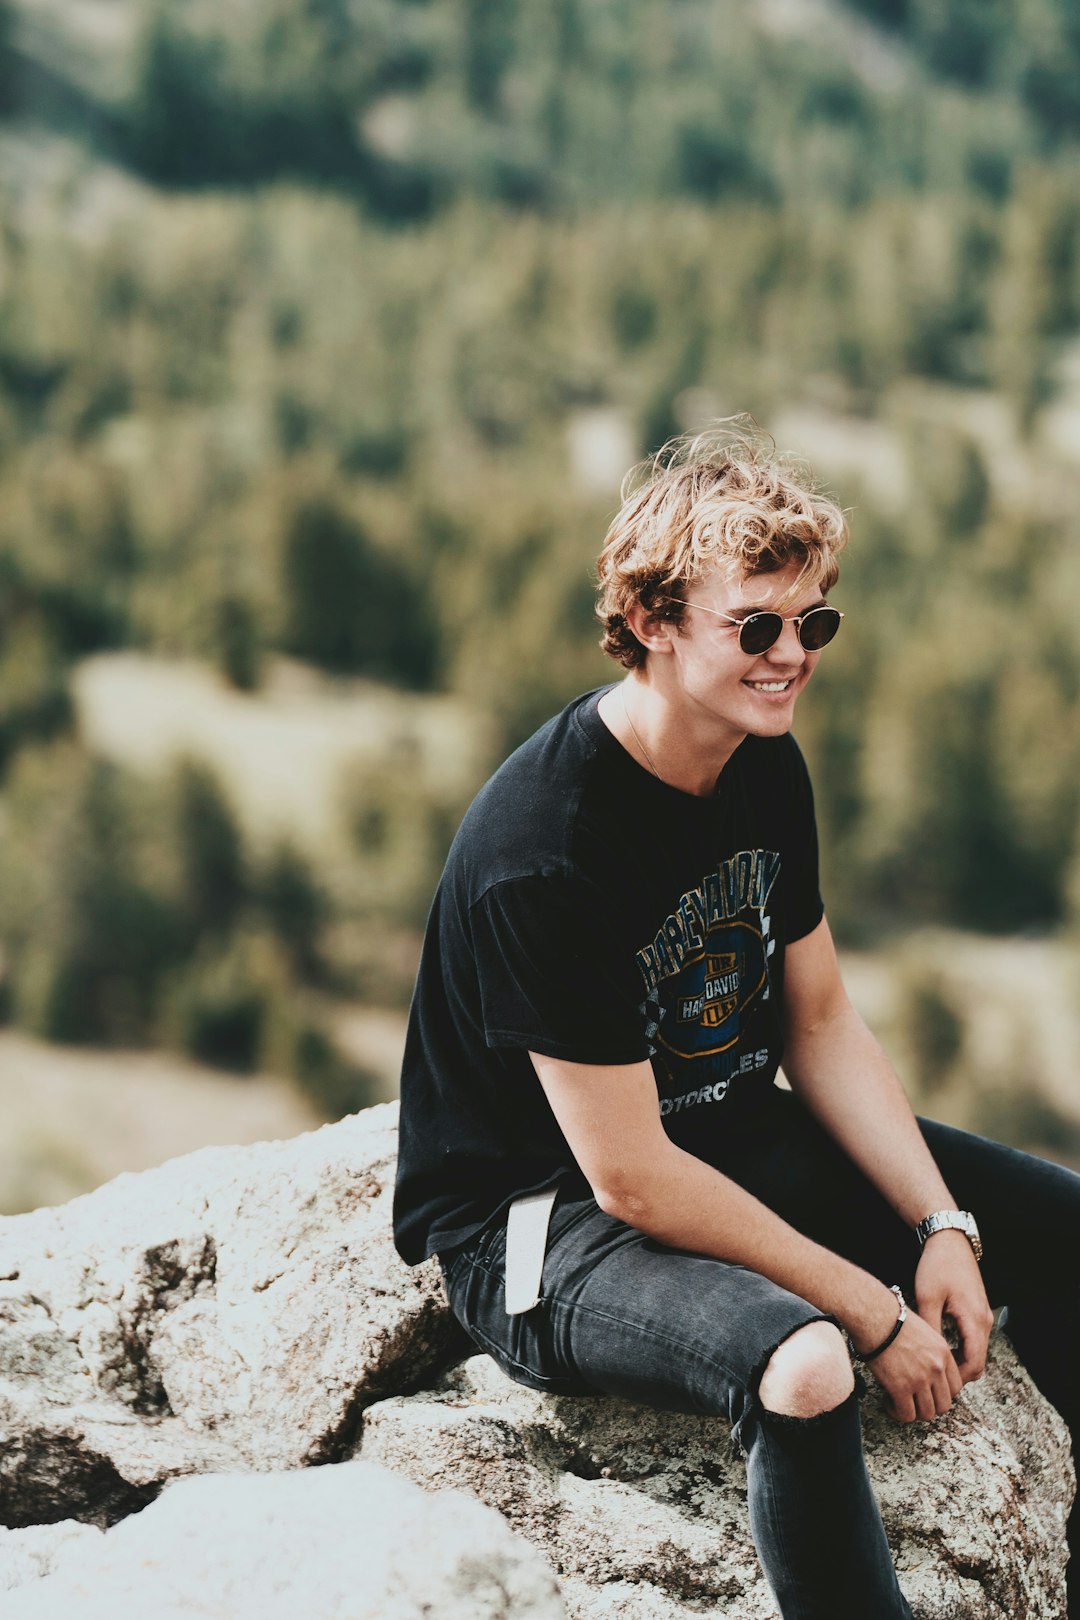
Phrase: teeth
{"type": "Point", "coordinates": [770, 686]}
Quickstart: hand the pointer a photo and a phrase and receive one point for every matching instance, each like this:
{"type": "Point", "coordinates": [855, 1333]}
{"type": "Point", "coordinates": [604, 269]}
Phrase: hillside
{"type": "Point", "coordinates": [327, 331]}
{"type": "Point", "coordinates": [410, 105]}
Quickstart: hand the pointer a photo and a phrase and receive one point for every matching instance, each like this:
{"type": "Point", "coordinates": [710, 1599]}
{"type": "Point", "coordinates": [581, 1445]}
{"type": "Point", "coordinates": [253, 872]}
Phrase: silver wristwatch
{"type": "Point", "coordinates": [944, 1219]}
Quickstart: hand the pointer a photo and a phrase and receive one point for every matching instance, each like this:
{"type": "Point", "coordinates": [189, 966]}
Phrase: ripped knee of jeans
{"type": "Point", "coordinates": [815, 1380]}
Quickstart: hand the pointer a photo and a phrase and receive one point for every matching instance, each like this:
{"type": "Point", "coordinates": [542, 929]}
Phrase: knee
{"type": "Point", "coordinates": [809, 1374]}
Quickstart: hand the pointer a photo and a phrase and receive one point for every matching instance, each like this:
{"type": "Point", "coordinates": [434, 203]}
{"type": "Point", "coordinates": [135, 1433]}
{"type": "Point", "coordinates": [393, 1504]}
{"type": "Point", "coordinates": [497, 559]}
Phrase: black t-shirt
{"type": "Point", "coordinates": [590, 912]}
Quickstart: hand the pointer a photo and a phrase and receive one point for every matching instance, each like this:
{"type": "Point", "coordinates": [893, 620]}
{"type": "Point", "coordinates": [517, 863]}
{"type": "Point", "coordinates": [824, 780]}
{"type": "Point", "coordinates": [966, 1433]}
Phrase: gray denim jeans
{"type": "Point", "coordinates": [622, 1314]}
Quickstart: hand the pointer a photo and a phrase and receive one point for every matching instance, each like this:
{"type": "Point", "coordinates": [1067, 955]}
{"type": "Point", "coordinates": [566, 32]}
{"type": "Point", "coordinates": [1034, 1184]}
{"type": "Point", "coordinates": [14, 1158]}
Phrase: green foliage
{"type": "Point", "coordinates": [348, 606]}
{"type": "Point", "coordinates": [34, 698]}
{"type": "Point", "coordinates": [335, 1085]}
{"type": "Point", "coordinates": [86, 931]}
{"type": "Point", "coordinates": [1022, 1117]}
{"type": "Point", "coordinates": [9, 66]}
{"type": "Point", "coordinates": [295, 907]}
{"type": "Point", "coordinates": [221, 105]}
{"type": "Point", "coordinates": [179, 127]}
{"type": "Point", "coordinates": [218, 1005]}
{"type": "Point", "coordinates": [933, 1027]}
{"type": "Point", "coordinates": [955, 806]}
{"type": "Point", "coordinates": [430, 526]}
{"type": "Point", "coordinates": [251, 414]}
{"type": "Point", "coordinates": [401, 832]}
{"type": "Point", "coordinates": [1032, 50]}
{"type": "Point", "coordinates": [126, 915]}
{"type": "Point", "coordinates": [239, 644]}
{"type": "Point", "coordinates": [236, 1006]}
{"type": "Point", "coordinates": [413, 107]}
{"type": "Point", "coordinates": [213, 887]}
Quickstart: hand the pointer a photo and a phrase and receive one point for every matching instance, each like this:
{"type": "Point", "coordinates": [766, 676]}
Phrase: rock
{"type": "Point", "coordinates": [350, 1542]}
{"type": "Point", "coordinates": [643, 1514]}
{"type": "Point", "coordinates": [25, 1555]}
{"type": "Point", "coordinates": [241, 1312]}
{"type": "Point", "coordinates": [234, 1309]}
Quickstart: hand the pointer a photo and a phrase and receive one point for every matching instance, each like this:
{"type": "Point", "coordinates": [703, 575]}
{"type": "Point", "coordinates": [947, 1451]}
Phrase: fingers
{"type": "Point", "coordinates": [921, 1379]}
{"type": "Point", "coordinates": [936, 1397]}
{"type": "Point", "coordinates": [948, 1283]}
{"type": "Point", "coordinates": [954, 1378]}
{"type": "Point", "coordinates": [923, 1405]}
{"type": "Point", "coordinates": [972, 1368]}
{"type": "Point", "coordinates": [975, 1339]}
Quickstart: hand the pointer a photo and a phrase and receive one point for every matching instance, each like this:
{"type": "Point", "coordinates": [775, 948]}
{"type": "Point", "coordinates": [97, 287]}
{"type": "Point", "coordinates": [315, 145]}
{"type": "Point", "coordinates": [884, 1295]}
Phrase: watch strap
{"type": "Point", "coordinates": [943, 1220]}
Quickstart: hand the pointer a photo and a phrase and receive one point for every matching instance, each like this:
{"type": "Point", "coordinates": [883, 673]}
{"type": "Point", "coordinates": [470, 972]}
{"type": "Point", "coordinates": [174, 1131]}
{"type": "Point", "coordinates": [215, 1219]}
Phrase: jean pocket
{"type": "Point", "coordinates": [519, 1352]}
{"type": "Point", "coordinates": [522, 1345]}
{"type": "Point", "coordinates": [565, 1218]}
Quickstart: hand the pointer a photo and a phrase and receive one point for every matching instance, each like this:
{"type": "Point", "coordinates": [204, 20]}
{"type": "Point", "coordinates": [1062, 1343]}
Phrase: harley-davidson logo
{"type": "Point", "coordinates": [720, 996]}
{"type": "Point", "coordinates": [714, 990]}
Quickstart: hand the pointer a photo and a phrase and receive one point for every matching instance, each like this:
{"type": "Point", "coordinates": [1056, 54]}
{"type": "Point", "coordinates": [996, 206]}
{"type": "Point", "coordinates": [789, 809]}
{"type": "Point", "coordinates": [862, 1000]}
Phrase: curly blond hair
{"type": "Point", "coordinates": [723, 498]}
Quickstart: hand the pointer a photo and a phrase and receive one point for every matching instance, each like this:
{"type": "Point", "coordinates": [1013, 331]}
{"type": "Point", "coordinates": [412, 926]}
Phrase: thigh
{"type": "Point", "coordinates": [801, 1174]}
{"type": "Point", "coordinates": [621, 1314]}
{"type": "Point", "coordinates": [1027, 1209]}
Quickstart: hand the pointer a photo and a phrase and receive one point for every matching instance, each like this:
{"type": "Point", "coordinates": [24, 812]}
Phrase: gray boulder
{"type": "Point", "coordinates": [242, 1311]}
{"type": "Point", "coordinates": [26, 1555]}
{"type": "Point", "coordinates": [236, 1308]}
{"type": "Point", "coordinates": [350, 1542]}
{"type": "Point", "coordinates": [643, 1514]}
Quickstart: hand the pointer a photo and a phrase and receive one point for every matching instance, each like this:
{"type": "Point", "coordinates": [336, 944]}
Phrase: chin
{"type": "Point", "coordinates": [775, 724]}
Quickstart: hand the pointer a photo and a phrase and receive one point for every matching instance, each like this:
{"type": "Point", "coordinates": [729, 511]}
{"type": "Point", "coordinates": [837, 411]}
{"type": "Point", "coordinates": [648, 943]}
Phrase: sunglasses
{"type": "Point", "coordinates": [760, 631]}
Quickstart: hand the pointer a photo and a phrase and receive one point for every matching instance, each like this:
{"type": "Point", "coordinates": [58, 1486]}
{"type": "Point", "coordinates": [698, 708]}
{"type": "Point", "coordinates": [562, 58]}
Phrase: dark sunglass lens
{"type": "Point", "coordinates": [818, 628]}
{"type": "Point", "coordinates": [758, 633]}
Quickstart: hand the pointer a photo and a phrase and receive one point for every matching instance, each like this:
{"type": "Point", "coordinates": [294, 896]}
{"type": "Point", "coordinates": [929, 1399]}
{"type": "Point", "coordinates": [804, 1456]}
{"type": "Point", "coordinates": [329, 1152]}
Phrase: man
{"type": "Point", "coordinates": [627, 939]}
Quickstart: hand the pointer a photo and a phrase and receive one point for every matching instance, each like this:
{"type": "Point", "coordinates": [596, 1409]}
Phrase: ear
{"type": "Point", "coordinates": [654, 634]}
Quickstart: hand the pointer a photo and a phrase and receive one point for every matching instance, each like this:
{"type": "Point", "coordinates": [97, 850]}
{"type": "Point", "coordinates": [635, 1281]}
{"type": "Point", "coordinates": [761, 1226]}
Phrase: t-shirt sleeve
{"type": "Point", "coordinates": [555, 974]}
{"type": "Point", "coordinates": [804, 906]}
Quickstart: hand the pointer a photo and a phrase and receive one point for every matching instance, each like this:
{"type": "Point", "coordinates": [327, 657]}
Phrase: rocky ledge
{"type": "Point", "coordinates": [242, 1312]}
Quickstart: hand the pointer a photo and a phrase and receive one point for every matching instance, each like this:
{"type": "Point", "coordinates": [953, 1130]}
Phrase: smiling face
{"type": "Point", "coordinates": [719, 691]}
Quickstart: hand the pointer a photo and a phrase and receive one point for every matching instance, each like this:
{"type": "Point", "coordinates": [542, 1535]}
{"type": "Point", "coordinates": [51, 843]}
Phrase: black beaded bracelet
{"type": "Point", "coordinates": [871, 1355]}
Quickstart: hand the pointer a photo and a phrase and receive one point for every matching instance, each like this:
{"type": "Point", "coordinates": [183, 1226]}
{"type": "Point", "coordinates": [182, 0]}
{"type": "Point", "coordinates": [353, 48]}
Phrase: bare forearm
{"type": "Point", "coordinates": [640, 1176]}
{"type": "Point", "coordinates": [840, 1072]}
{"type": "Point", "coordinates": [685, 1204]}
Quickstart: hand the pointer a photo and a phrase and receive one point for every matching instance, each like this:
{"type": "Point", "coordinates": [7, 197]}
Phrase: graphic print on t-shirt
{"type": "Point", "coordinates": [706, 974]}
{"type": "Point", "coordinates": [730, 973]}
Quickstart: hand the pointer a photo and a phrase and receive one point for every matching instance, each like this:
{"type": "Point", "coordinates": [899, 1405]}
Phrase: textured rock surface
{"type": "Point", "coordinates": [643, 1514]}
{"type": "Point", "coordinates": [234, 1309]}
{"type": "Point", "coordinates": [238, 1310]}
{"type": "Point", "coordinates": [340, 1543]}
{"type": "Point", "coordinates": [25, 1555]}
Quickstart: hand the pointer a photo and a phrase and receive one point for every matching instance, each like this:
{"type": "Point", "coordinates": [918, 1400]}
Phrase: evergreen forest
{"type": "Point", "coordinates": [327, 328]}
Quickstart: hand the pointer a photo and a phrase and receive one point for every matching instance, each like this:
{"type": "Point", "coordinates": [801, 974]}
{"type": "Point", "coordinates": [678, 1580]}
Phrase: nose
{"type": "Point", "coordinates": [787, 650]}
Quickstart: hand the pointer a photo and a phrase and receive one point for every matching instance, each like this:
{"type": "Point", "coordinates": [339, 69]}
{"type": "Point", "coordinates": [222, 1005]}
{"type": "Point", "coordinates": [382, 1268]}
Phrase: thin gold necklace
{"type": "Point", "coordinates": [637, 739]}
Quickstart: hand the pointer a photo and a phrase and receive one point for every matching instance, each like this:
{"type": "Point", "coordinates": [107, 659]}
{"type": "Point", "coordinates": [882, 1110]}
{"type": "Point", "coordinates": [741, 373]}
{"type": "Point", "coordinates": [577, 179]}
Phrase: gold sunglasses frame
{"type": "Point", "coordinates": [796, 619]}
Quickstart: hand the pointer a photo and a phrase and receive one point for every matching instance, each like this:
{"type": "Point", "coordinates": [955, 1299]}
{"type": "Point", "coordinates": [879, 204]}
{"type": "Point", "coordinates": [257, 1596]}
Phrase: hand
{"type": "Point", "coordinates": [918, 1372]}
{"type": "Point", "coordinates": [948, 1282]}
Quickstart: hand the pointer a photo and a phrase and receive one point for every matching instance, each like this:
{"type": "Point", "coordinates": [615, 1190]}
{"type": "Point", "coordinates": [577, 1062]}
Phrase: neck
{"type": "Point", "coordinates": [674, 746]}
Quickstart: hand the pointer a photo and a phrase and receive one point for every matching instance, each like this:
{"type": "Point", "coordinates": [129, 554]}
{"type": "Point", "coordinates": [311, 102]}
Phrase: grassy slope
{"type": "Point", "coordinates": [284, 754]}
